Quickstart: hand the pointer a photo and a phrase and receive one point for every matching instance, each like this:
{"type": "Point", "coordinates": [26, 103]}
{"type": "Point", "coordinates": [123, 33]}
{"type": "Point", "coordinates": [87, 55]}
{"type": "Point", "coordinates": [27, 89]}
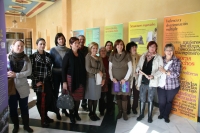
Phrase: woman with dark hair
{"type": "Point", "coordinates": [74, 76]}
{"type": "Point", "coordinates": [169, 83]}
{"type": "Point", "coordinates": [57, 53]}
{"type": "Point", "coordinates": [120, 69]}
{"type": "Point", "coordinates": [42, 75]}
{"type": "Point", "coordinates": [148, 69]}
{"type": "Point", "coordinates": [94, 65]}
{"type": "Point", "coordinates": [131, 48]}
{"type": "Point", "coordinates": [109, 47]}
{"type": "Point", "coordinates": [20, 68]}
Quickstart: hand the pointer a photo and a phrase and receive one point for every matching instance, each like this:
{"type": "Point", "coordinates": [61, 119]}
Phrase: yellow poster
{"type": "Point", "coordinates": [183, 31]}
{"type": "Point", "coordinates": [142, 32]}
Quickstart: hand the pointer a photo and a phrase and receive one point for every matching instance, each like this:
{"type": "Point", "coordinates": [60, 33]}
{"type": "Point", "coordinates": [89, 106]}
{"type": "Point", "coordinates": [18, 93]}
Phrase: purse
{"type": "Point", "coordinates": [65, 101]}
{"type": "Point", "coordinates": [11, 87]}
{"type": "Point", "coordinates": [117, 87]}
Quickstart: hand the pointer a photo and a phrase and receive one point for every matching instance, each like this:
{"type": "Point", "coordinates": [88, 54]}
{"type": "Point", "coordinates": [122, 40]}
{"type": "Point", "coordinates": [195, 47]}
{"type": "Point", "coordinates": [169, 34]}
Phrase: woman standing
{"type": "Point", "coordinates": [120, 69]}
{"type": "Point", "coordinates": [132, 49]}
{"type": "Point", "coordinates": [41, 73]}
{"type": "Point", "coordinates": [148, 69]}
{"type": "Point", "coordinates": [20, 66]}
{"type": "Point", "coordinates": [169, 83]}
{"type": "Point", "coordinates": [94, 66]}
{"type": "Point", "coordinates": [74, 76]}
{"type": "Point", "coordinates": [57, 53]}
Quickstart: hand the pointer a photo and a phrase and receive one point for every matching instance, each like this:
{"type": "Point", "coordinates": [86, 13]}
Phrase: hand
{"type": "Point", "coordinates": [101, 74]}
{"type": "Point", "coordinates": [65, 85]}
{"type": "Point", "coordinates": [162, 69]}
{"type": "Point", "coordinates": [103, 82]}
{"type": "Point", "coordinates": [39, 84]}
{"type": "Point", "coordinates": [122, 81]}
{"type": "Point", "coordinates": [114, 80]}
{"type": "Point", "coordinates": [150, 77]}
{"type": "Point", "coordinates": [11, 74]}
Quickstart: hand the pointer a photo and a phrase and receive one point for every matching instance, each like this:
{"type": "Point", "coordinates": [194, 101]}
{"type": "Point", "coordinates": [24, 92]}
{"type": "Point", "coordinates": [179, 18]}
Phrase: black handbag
{"type": "Point", "coordinates": [65, 101]}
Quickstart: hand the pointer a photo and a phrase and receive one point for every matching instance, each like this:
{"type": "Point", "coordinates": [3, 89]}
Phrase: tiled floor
{"type": "Point", "coordinates": [109, 124]}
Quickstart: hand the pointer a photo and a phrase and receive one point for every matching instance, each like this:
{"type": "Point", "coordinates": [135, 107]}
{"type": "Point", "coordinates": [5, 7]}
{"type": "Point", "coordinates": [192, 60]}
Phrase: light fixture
{"type": "Point", "coordinates": [14, 22]}
{"type": "Point", "coordinates": [22, 14]}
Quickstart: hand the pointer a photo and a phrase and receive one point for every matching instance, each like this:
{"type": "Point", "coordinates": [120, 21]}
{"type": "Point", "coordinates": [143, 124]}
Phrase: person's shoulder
{"type": "Point", "coordinates": [176, 59]}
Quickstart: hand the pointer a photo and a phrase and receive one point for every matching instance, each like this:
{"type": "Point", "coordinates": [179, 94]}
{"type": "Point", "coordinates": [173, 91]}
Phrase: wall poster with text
{"type": "Point", "coordinates": [93, 35]}
{"type": "Point", "coordinates": [183, 31]}
{"type": "Point", "coordinates": [142, 32]}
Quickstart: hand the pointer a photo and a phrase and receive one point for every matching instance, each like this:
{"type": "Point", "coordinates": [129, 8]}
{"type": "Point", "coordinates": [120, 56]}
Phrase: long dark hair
{"type": "Point", "coordinates": [58, 35]}
{"type": "Point", "coordinates": [115, 46]}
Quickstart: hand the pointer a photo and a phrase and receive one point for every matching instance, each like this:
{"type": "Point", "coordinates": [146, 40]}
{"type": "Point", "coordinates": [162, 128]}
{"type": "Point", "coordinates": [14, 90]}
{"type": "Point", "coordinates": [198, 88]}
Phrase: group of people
{"type": "Point", "coordinates": [76, 69]}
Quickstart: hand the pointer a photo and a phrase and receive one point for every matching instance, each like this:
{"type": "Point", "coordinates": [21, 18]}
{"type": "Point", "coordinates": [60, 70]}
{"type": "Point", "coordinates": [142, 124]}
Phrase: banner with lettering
{"type": "Point", "coordinates": [113, 32]}
{"type": "Point", "coordinates": [76, 33]}
{"type": "Point", "coordinates": [142, 32]}
{"type": "Point", "coordinates": [3, 73]}
{"type": "Point", "coordinates": [92, 35]}
{"type": "Point", "coordinates": [183, 31]}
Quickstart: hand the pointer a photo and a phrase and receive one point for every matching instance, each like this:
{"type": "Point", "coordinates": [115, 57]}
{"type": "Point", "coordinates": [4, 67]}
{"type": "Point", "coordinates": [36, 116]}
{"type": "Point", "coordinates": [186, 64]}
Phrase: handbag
{"type": "Point", "coordinates": [11, 87]}
{"type": "Point", "coordinates": [117, 87]}
{"type": "Point", "coordinates": [65, 101]}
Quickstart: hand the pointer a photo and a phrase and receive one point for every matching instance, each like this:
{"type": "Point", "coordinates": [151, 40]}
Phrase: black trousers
{"type": "Point", "coordinates": [57, 81]}
{"type": "Point", "coordinates": [110, 98]}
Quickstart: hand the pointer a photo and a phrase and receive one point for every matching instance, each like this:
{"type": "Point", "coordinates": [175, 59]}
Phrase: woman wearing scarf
{"type": "Point", "coordinates": [169, 83]}
{"type": "Point", "coordinates": [149, 74]}
{"type": "Point", "coordinates": [57, 53]}
{"type": "Point", "coordinates": [120, 69]}
{"type": "Point", "coordinates": [20, 68]}
{"type": "Point", "coordinates": [74, 76]}
{"type": "Point", "coordinates": [41, 74]}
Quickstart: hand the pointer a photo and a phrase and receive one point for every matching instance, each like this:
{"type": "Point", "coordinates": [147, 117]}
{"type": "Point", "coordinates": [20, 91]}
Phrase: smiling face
{"type": "Point", "coordinates": [81, 41]}
{"type": "Point", "coordinates": [41, 45]}
{"type": "Point", "coordinates": [169, 52]}
{"type": "Point", "coordinates": [18, 47]}
{"type": "Point", "coordinates": [133, 50]}
{"type": "Point", "coordinates": [61, 41]}
{"type": "Point", "coordinates": [94, 50]}
{"type": "Point", "coordinates": [102, 52]}
{"type": "Point", "coordinates": [120, 47]}
{"type": "Point", "coordinates": [152, 48]}
{"type": "Point", "coordinates": [75, 45]}
{"type": "Point", "coordinates": [109, 46]}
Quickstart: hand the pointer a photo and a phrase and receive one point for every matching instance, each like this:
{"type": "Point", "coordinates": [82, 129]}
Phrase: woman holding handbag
{"type": "Point", "coordinates": [74, 76]}
{"type": "Point", "coordinates": [95, 79]}
{"type": "Point", "coordinates": [120, 69]}
{"type": "Point", "coordinates": [20, 68]}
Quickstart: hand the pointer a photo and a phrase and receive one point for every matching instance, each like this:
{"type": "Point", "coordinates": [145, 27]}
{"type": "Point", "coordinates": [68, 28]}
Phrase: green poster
{"type": "Point", "coordinates": [92, 35]}
{"type": "Point", "coordinates": [113, 32]}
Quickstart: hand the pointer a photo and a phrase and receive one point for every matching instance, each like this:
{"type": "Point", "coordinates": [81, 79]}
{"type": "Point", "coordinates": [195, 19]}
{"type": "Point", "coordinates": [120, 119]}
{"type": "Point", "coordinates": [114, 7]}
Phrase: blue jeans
{"type": "Point", "coordinates": [165, 98]}
{"type": "Point", "coordinates": [13, 104]}
{"type": "Point", "coordinates": [143, 92]}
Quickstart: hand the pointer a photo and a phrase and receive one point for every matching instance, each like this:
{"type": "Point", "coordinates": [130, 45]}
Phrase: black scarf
{"type": "Point", "coordinates": [78, 70]}
{"type": "Point", "coordinates": [15, 57]}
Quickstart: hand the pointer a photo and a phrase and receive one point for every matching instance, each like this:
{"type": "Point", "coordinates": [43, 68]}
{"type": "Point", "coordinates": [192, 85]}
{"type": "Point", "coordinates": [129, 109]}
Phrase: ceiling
{"type": "Point", "coordinates": [29, 7]}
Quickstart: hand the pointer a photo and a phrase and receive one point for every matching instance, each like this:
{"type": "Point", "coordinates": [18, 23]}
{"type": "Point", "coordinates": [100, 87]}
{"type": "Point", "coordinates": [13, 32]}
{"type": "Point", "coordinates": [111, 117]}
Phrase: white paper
{"type": "Point", "coordinates": [98, 79]}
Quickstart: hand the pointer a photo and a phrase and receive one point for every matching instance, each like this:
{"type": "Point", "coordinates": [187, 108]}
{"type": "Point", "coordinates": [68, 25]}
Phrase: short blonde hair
{"type": "Point", "coordinates": [91, 45]}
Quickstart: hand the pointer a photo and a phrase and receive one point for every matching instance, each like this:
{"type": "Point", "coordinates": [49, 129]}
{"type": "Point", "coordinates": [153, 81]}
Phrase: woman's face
{"type": "Point", "coordinates": [18, 47]}
{"type": "Point", "coordinates": [94, 50]}
{"type": "Point", "coordinates": [133, 50]}
{"type": "Point", "coordinates": [120, 47]}
{"type": "Point", "coordinates": [61, 41]}
{"type": "Point", "coordinates": [109, 46]}
{"type": "Point", "coordinates": [75, 45]}
{"type": "Point", "coordinates": [41, 45]}
{"type": "Point", "coordinates": [169, 52]}
{"type": "Point", "coordinates": [152, 48]}
{"type": "Point", "coordinates": [102, 53]}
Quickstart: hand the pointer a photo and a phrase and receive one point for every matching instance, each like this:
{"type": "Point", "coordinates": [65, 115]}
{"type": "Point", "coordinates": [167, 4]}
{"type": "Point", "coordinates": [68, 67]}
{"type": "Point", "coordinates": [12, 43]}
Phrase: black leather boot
{"type": "Point", "coordinates": [150, 110]}
{"type": "Point", "coordinates": [25, 119]}
{"type": "Point", "coordinates": [142, 108]}
{"type": "Point", "coordinates": [15, 121]}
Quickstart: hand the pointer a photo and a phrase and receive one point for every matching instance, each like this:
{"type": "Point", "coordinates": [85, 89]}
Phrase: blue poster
{"type": "Point", "coordinates": [3, 74]}
{"type": "Point", "coordinates": [76, 33]}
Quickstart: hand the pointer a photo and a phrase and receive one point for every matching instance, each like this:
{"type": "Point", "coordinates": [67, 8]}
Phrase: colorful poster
{"type": "Point", "coordinates": [92, 35]}
{"type": "Point", "coordinates": [142, 32]}
{"type": "Point", "coordinates": [113, 32]}
{"type": "Point", "coordinates": [3, 74]}
{"type": "Point", "coordinates": [76, 33]}
{"type": "Point", "coordinates": [183, 31]}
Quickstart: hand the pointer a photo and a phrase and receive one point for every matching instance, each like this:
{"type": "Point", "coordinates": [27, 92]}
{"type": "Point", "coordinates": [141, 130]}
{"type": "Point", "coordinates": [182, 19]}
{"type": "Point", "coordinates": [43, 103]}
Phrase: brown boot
{"type": "Point", "coordinates": [124, 108]}
{"type": "Point", "coordinates": [119, 104]}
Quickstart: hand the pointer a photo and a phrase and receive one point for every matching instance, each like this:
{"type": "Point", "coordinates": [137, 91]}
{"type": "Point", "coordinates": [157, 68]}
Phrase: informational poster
{"type": "Point", "coordinates": [142, 32]}
{"type": "Point", "coordinates": [92, 35]}
{"type": "Point", "coordinates": [183, 31]}
{"type": "Point", "coordinates": [76, 33]}
{"type": "Point", "coordinates": [3, 74]}
{"type": "Point", "coordinates": [113, 32]}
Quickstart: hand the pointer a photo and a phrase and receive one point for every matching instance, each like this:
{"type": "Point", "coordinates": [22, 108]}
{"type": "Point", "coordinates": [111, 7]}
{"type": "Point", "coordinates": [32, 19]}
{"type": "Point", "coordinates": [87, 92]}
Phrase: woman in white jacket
{"type": "Point", "coordinates": [148, 69]}
{"type": "Point", "coordinates": [20, 68]}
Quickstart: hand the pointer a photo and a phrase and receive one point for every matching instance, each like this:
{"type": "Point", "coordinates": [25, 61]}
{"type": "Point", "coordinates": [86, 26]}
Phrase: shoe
{"type": "Point", "coordinates": [150, 110]}
{"type": "Point", "coordinates": [150, 120]}
{"type": "Point", "coordinates": [142, 108]}
{"type": "Point", "coordinates": [49, 120]}
{"type": "Point", "coordinates": [135, 111]}
{"type": "Point", "coordinates": [160, 117]}
{"type": "Point", "coordinates": [15, 121]}
{"type": "Point", "coordinates": [140, 117]}
{"type": "Point", "coordinates": [45, 124]}
{"type": "Point", "coordinates": [58, 116]}
{"type": "Point", "coordinates": [65, 112]}
{"type": "Point", "coordinates": [78, 118]}
{"type": "Point", "coordinates": [167, 120]}
{"type": "Point", "coordinates": [72, 118]}
{"type": "Point", "coordinates": [92, 117]}
{"type": "Point", "coordinates": [96, 117]}
{"type": "Point", "coordinates": [25, 120]}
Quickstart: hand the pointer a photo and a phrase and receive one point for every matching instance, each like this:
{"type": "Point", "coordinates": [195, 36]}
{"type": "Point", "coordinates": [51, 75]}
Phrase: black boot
{"type": "Point", "coordinates": [142, 108]}
{"type": "Point", "coordinates": [25, 119]}
{"type": "Point", "coordinates": [72, 118]}
{"type": "Point", "coordinates": [64, 111]}
{"type": "Point", "coordinates": [45, 123]}
{"type": "Point", "coordinates": [15, 121]}
{"type": "Point", "coordinates": [150, 110]}
{"type": "Point", "coordinates": [58, 114]}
